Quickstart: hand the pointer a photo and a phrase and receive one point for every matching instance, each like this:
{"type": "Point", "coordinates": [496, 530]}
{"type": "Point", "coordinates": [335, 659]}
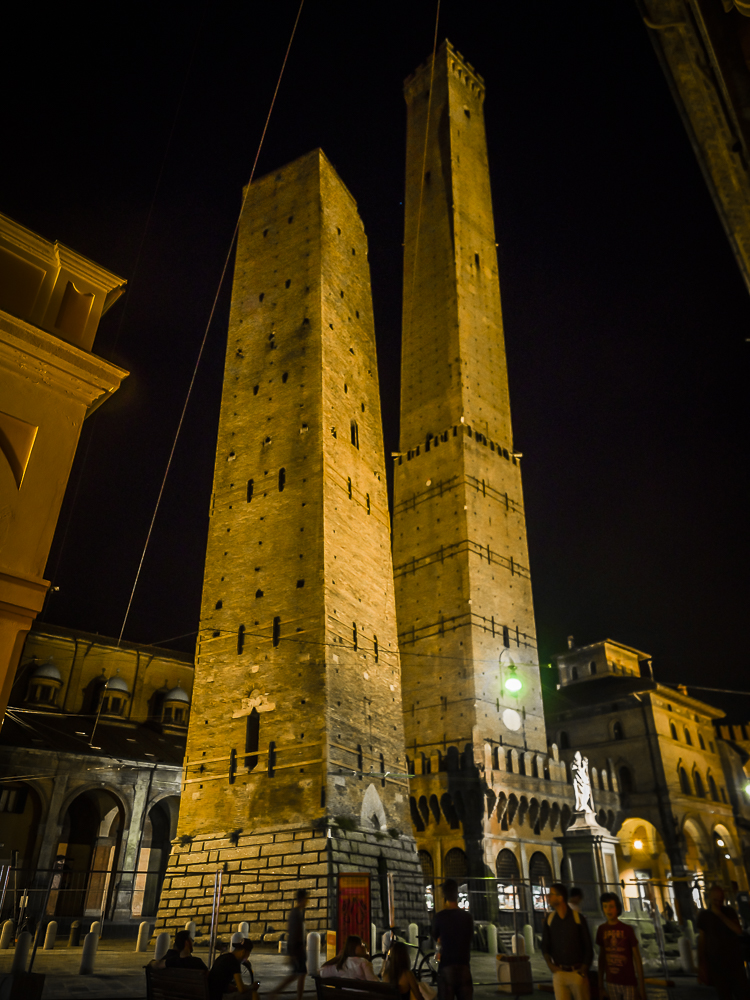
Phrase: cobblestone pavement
{"type": "Point", "coordinates": [119, 975]}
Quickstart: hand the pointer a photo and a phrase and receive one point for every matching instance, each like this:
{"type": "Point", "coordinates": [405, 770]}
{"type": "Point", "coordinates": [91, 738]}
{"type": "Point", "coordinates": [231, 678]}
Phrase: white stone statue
{"type": "Point", "coordinates": [582, 783]}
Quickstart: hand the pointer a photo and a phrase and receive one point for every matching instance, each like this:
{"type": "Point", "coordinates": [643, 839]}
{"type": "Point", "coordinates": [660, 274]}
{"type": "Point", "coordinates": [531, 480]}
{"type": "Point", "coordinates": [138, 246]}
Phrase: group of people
{"type": "Point", "coordinates": [566, 945]}
{"type": "Point", "coordinates": [568, 949]}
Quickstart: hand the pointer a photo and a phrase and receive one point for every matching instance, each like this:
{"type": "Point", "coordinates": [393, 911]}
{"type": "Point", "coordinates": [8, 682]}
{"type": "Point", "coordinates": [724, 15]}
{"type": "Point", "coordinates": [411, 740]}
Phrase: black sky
{"type": "Point", "coordinates": [625, 313]}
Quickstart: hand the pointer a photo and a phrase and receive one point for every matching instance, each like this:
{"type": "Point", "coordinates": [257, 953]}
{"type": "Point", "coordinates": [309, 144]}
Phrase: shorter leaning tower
{"type": "Point", "coordinates": [295, 768]}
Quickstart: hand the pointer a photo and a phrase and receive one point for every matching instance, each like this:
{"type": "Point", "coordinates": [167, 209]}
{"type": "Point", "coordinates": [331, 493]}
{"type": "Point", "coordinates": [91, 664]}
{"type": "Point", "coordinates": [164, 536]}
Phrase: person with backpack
{"type": "Point", "coordinates": [566, 946]}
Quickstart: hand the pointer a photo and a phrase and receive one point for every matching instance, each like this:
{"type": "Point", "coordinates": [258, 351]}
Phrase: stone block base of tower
{"type": "Point", "coordinates": [262, 871]}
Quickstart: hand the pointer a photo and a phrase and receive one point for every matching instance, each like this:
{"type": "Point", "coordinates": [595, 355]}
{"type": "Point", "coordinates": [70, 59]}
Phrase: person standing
{"type": "Point", "coordinates": [566, 946]}
{"type": "Point", "coordinates": [295, 946]}
{"type": "Point", "coordinates": [619, 956]}
{"type": "Point", "coordinates": [453, 931]}
{"type": "Point", "coordinates": [720, 957]}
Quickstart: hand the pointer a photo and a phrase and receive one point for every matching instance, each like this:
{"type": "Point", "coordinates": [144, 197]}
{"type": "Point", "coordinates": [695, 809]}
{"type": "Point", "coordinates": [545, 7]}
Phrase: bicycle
{"type": "Point", "coordinates": [425, 965]}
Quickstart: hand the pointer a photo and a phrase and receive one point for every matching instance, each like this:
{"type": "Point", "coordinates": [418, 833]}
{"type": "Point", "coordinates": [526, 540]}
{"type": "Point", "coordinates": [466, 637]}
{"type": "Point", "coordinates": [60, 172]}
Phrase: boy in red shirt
{"type": "Point", "coordinates": [619, 956]}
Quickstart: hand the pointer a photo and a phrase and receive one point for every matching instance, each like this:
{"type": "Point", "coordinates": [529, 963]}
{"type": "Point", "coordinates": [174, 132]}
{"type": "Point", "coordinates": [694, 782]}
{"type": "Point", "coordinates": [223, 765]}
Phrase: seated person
{"type": "Point", "coordinates": [397, 971]}
{"type": "Point", "coordinates": [226, 972]}
{"type": "Point", "coordinates": [181, 956]}
{"type": "Point", "coordinates": [351, 962]}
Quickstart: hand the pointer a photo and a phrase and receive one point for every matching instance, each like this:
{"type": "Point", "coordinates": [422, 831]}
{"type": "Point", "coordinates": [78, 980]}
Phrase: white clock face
{"type": "Point", "coordinates": [511, 719]}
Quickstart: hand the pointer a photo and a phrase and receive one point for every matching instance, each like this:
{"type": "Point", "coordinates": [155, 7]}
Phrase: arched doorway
{"type": "Point", "coordinates": [87, 853]}
{"type": "Point", "coordinates": [508, 875]}
{"type": "Point", "coordinates": [153, 856]}
{"type": "Point", "coordinates": [540, 876]}
{"type": "Point", "coordinates": [642, 858]}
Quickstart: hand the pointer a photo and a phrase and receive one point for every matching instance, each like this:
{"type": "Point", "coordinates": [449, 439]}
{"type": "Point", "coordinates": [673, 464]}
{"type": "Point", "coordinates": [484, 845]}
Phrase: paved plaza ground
{"type": "Point", "coordinates": [119, 975]}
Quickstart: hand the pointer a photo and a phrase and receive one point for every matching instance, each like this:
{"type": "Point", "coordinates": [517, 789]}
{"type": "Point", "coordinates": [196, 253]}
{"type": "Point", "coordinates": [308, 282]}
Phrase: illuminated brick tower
{"type": "Point", "coordinates": [470, 676]}
{"type": "Point", "coordinates": [297, 694]}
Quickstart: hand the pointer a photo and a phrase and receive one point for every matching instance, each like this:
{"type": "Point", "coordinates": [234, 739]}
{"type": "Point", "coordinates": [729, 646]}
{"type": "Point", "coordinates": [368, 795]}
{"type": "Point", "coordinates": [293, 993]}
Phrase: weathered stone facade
{"type": "Point", "coordinates": [485, 780]}
{"type": "Point", "coordinates": [297, 726]}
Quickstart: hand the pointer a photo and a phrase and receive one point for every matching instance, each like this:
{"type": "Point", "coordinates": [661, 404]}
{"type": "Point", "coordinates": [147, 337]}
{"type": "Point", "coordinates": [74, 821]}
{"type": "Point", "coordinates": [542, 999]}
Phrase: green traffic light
{"type": "Point", "coordinates": [513, 684]}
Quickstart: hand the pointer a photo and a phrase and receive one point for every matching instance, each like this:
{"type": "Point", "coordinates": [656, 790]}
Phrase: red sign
{"type": "Point", "coordinates": [353, 907]}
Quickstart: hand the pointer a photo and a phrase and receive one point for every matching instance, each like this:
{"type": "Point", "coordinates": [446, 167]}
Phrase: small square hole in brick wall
{"type": "Point", "coordinates": [261, 296]}
{"type": "Point", "coordinates": [255, 390]}
{"type": "Point", "coordinates": [287, 283]}
{"type": "Point", "coordinates": [300, 583]}
{"type": "Point", "coordinates": [258, 593]}
{"type": "Point", "coordinates": [265, 233]}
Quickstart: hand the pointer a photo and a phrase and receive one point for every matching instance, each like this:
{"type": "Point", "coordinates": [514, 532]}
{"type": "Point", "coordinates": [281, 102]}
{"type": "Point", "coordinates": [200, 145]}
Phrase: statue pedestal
{"type": "Point", "coordinates": [590, 859]}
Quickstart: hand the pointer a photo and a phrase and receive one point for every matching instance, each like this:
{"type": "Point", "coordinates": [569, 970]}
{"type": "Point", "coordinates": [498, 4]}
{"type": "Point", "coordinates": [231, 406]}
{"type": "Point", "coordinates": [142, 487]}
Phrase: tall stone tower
{"type": "Point", "coordinates": [295, 767]}
{"type": "Point", "coordinates": [470, 675]}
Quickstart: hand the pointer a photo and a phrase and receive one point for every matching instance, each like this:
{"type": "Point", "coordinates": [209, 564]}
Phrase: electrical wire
{"type": "Point", "coordinates": [208, 324]}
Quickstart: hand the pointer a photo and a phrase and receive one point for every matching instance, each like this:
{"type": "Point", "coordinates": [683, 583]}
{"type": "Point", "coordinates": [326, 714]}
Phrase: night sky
{"type": "Point", "coordinates": [128, 134]}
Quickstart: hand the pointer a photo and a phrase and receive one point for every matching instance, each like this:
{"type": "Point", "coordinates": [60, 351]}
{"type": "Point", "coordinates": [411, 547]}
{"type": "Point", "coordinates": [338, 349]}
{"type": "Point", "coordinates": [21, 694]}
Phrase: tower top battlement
{"type": "Point", "coordinates": [420, 78]}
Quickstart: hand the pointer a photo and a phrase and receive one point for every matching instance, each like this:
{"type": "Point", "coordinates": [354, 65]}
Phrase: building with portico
{"type": "Point", "coordinates": [659, 745]}
{"type": "Point", "coordinates": [91, 755]}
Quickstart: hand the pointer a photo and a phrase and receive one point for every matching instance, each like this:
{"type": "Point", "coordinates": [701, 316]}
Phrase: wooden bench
{"type": "Point", "coordinates": [176, 984]}
{"type": "Point", "coordinates": [337, 988]}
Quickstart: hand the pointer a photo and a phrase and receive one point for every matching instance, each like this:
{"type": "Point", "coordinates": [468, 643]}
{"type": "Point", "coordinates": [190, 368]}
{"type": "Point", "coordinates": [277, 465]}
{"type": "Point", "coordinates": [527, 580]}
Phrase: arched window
{"type": "Point", "coordinates": [456, 864]}
{"type": "Point", "coordinates": [713, 792]}
{"type": "Point", "coordinates": [428, 869]}
{"type": "Point", "coordinates": [700, 741]}
{"type": "Point", "coordinates": [574, 673]}
{"type": "Point", "coordinates": [354, 433]}
{"type": "Point", "coordinates": [699, 789]}
{"type": "Point", "coordinates": [540, 876]}
{"type": "Point", "coordinates": [685, 782]}
{"type": "Point", "coordinates": [672, 730]}
{"type": "Point", "coordinates": [626, 780]}
{"type": "Point", "coordinates": [506, 869]}
{"type": "Point", "coordinates": [592, 667]}
{"type": "Point", "coordinates": [688, 737]}
{"type": "Point", "coordinates": [617, 732]}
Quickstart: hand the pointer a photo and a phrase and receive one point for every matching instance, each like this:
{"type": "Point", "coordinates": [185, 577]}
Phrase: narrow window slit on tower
{"type": "Point", "coordinates": [265, 233]}
{"type": "Point", "coordinates": [255, 390]}
{"type": "Point", "coordinates": [261, 296]}
{"type": "Point", "coordinates": [368, 502]}
{"type": "Point", "coordinates": [285, 376]}
{"type": "Point", "coordinates": [252, 739]}
{"type": "Point", "coordinates": [354, 635]}
{"type": "Point", "coordinates": [375, 647]}
{"type": "Point", "coordinates": [276, 630]}
{"type": "Point", "coordinates": [287, 283]}
{"type": "Point", "coordinates": [250, 486]}
{"type": "Point", "coordinates": [240, 639]}
{"type": "Point", "coordinates": [506, 637]}
{"type": "Point", "coordinates": [218, 605]}
{"type": "Point", "coordinates": [282, 480]}
{"type": "Point", "coordinates": [382, 770]}
{"type": "Point", "coordinates": [349, 486]}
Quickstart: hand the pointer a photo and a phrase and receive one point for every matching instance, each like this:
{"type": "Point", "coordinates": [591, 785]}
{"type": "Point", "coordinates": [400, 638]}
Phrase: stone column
{"type": "Point", "coordinates": [132, 840]}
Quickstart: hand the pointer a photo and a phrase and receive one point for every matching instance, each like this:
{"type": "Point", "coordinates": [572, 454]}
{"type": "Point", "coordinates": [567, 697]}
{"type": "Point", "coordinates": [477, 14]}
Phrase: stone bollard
{"type": "Point", "coordinates": [492, 939]}
{"type": "Point", "coordinates": [7, 934]}
{"type": "Point", "coordinates": [244, 929]}
{"type": "Point", "coordinates": [414, 934]}
{"type": "Point", "coordinates": [528, 939]}
{"type": "Point", "coordinates": [144, 933]}
{"type": "Point", "coordinates": [96, 928]}
{"type": "Point", "coordinates": [686, 955]}
{"type": "Point", "coordinates": [191, 928]}
{"type": "Point", "coordinates": [313, 953]}
{"type": "Point", "coordinates": [373, 939]}
{"type": "Point", "coordinates": [518, 944]}
{"type": "Point", "coordinates": [74, 939]}
{"type": "Point", "coordinates": [162, 946]}
{"type": "Point", "coordinates": [51, 934]}
{"type": "Point", "coordinates": [21, 954]}
{"type": "Point", "coordinates": [88, 955]}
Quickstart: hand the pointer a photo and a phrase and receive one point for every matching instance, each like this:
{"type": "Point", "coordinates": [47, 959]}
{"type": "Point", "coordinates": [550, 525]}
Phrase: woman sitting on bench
{"type": "Point", "coordinates": [397, 971]}
{"type": "Point", "coordinates": [351, 962]}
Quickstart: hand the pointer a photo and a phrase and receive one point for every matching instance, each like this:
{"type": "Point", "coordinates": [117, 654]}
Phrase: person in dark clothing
{"type": "Point", "coordinates": [619, 955]}
{"type": "Point", "coordinates": [453, 930]}
{"type": "Point", "coordinates": [720, 958]}
{"type": "Point", "coordinates": [226, 972]}
{"type": "Point", "coordinates": [295, 947]}
{"type": "Point", "coordinates": [566, 945]}
{"type": "Point", "coordinates": [181, 956]}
